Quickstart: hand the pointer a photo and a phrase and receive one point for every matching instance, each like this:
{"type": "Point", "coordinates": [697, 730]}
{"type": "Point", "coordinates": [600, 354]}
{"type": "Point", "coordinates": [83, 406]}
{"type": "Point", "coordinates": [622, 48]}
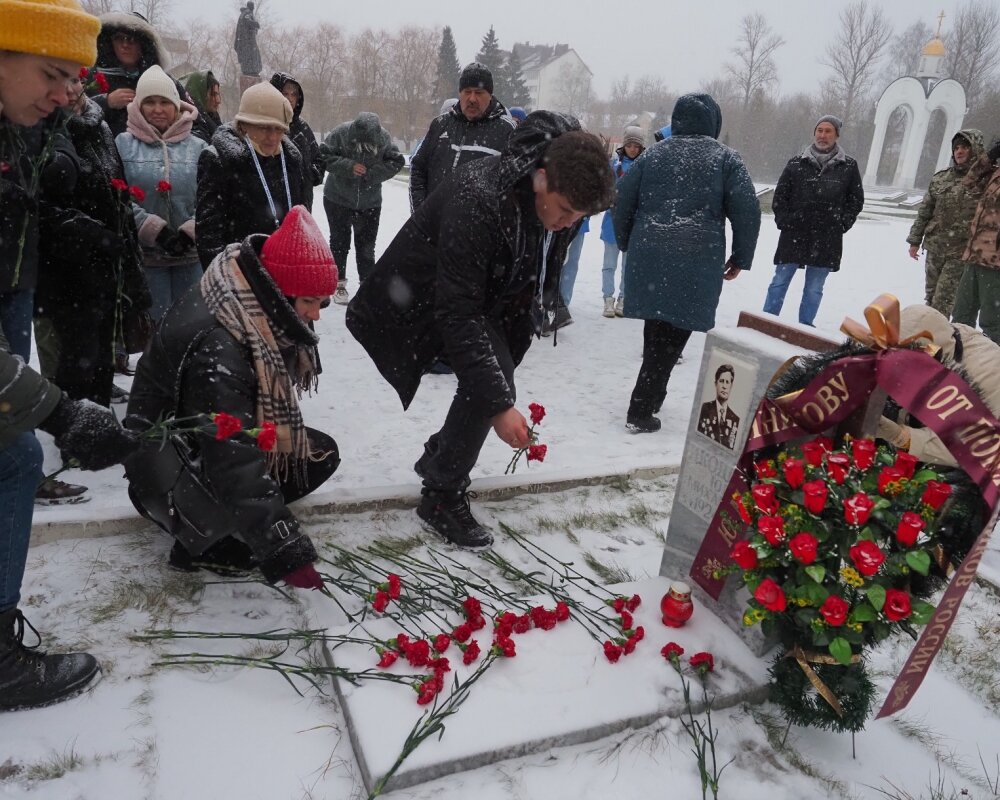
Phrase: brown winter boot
{"type": "Point", "coordinates": [31, 679]}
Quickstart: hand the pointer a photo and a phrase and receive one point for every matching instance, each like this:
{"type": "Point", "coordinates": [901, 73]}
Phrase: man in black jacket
{"type": "Point", "coordinates": [818, 197]}
{"type": "Point", "coordinates": [477, 125]}
{"type": "Point", "coordinates": [468, 276]}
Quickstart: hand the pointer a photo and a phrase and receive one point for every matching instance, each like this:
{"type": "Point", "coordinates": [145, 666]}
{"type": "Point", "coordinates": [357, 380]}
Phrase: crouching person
{"type": "Point", "coordinates": [240, 343]}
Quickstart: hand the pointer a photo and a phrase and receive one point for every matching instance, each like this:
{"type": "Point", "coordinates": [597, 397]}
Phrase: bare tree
{"type": "Point", "coordinates": [369, 62]}
{"type": "Point", "coordinates": [573, 90]}
{"type": "Point", "coordinates": [974, 47]}
{"type": "Point", "coordinates": [413, 55]}
{"type": "Point", "coordinates": [903, 52]}
{"type": "Point", "coordinates": [98, 7]}
{"type": "Point", "coordinates": [754, 70]}
{"type": "Point", "coordinates": [324, 77]}
{"type": "Point", "coordinates": [155, 11]}
{"type": "Point", "coordinates": [860, 44]}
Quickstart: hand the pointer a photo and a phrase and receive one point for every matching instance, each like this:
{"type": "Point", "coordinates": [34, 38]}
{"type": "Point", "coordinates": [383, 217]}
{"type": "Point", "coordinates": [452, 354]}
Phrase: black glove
{"type": "Point", "coordinates": [89, 433]}
{"type": "Point", "coordinates": [184, 241]}
{"type": "Point", "coordinates": [167, 241]}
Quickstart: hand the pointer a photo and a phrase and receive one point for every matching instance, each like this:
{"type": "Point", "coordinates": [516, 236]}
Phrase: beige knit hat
{"type": "Point", "coordinates": [154, 81]}
{"type": "Point", "coordinates": [262, 104]}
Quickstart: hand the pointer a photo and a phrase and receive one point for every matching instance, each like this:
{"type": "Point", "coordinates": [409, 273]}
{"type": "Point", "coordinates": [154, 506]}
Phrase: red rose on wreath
{"type": "Point", "coordinates": [814, 494]}
{"type": "Point", "coordinates": [890, 481]}
{"type": "Point", "coordinates": [897, 605]}
{"type": "Point", "coordinates": [867, 557]}
{"type": "Point", "coordinates": [857, 508]}
{"type": "Point", "coordinates": [741, 508]}
{"type": "Point", "coordinates": [795, 473]}
{"type": "Point", "coordinates": [906, 462]}
{"type": "Point", "coordinates": [770, 595]}
{"type": "Point", "coordinates": [537, 412]}
{"type": "Point", "coordinates": [703, 662]}
{"type": "Point", "coordinates": [935, 494]}
{"type": "Point", "coordinates": [764, 499]}
{"type": "Point", "coordinates": [765, 469]}
{"type": "Point", "coordinates": [744, 555]}
{"type": "Point", "coordinates": [803, 546]}
{"type": "Point", "coordinates": [773, 529]}
{"type": "Point", "coordinates": [863, 451]}
{"type": "Point", "coordinates": [813, 453]}
{"type": "Point", "coordinates": [837, 464]}
{"type": "Point", "coordinates": [909, 528]}
{"type": "Point", "coordinates": [834, 610]}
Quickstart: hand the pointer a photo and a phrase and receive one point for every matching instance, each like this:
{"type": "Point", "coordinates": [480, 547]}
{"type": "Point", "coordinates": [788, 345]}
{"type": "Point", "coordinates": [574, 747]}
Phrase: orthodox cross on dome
{"type": "Point", "coordinates": [940, 22]}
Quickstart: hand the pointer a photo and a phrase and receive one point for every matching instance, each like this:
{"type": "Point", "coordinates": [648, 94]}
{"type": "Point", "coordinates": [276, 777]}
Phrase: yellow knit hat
{"type": "Point", "coordinates": [57, 28]}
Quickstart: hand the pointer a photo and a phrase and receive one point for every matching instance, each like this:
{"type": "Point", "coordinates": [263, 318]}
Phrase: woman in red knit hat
{"type": "Point", "coordinates": [242, 345]}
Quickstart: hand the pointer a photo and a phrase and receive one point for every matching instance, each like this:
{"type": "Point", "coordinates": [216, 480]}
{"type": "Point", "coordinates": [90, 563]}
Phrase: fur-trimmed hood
{"type": "Point", "coordinates": [153, 51]}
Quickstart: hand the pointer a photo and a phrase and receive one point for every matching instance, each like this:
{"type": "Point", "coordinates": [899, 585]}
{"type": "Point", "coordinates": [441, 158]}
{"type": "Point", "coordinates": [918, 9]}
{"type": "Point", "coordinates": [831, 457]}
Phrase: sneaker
{"type": "Point", "coordinates": [118, 395]}
{"type": "Point", "coordinates": [620, 307]}
{"type": "Point", "coordinates": [609, 307]}
{"type": "Point", "coordinates": [52, 492]}
{"type": "Point", "coordinates": [449, 514]}
{"type": "Point", "coordinates": [562, 318]}
{"type": "Point", "coordinates": [648, 424]}
{"type": "Point", "coordinates": [31, 679]}
{"type": "Point", "coordinates": [228, 557]}
{"type": "Point", "coordinates": [341, 297]}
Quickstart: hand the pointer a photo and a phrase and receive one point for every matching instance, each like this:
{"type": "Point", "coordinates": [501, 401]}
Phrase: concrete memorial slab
{"type": "Point", "coordinates": [737, 366]}
{"type": "Point", "coordinates": [558, 690]}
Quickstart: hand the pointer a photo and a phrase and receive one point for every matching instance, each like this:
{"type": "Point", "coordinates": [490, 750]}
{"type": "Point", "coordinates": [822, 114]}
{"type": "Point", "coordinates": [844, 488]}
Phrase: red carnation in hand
{"type": "Point", "coordinates": [814, 495]}
{"type": "Point", "coordinates": [536, 452]}
{"type": "Point", "coordinates": [744, 555]}
{"type": "Point", "coordinates": [441, 642]}
{"type": "Point", "coordinates": [381, 601]}
{"type": "Point", "coordinates": [863, 451]}
{"type": "Point", "coordinates": [773, 529]}
{"type": "Point", "coordinates": [267, 438]}
{"type": "Point", "coordinates": [906, 462]}
{"type": "Point", "coordinates": [837, 464]}
{"type": "Point", "coordinates": [395, 586]}
{"type": "Point", "coordinates": [867, 557]}
{"type": "Point", "coordinates": [102, 83]}
{"type": "Point", "coordinates": [163, 187]}
{"type": "Point", "coordinates": [703, 662]}
{"type": "Point", "coordinates": [119, 185]}
{"type": "Point", "coordinates": [471, 652]}
{"type": "Point", "coordinates": [671, 651]}
{"type": "Point", "coordinates": [764, 499]}
{"type": "Point", "coordinates": [562, 611]}
{"type": "Point", "coordinates": [935, 494]}
{"type": "Point", "coordinates": [137, 193]}
{"type": "Point", "coordinates": [770, 595]}
{"type": "Point", "coordinates": [897, 605]}
{"type": "Point", "coordinates": [388, 659]}
{"type": "Point", "coordinates": [834, 610]}
{"type": "Point", "coordinates": [226, 425]}
{"type": "Point", "coordinates": [795, 472]}
{"type": "Point", "coordinates": [857, 508]}
{"type": "Point", "coordinates": [537, 412]}
{"type": "Point", "coordinates": [803, 546]}
{"type": "Point", "coordinates": [909, 528]}
{"type": "Point", "coordinates": [612, 651]}
{"type": "Point", "coordinates": [765, 469]}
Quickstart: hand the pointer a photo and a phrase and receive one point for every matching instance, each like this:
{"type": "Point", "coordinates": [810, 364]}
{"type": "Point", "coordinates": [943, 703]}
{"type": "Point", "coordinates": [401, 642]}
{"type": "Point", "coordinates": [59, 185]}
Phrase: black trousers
{"type": "Point", "coordinates": [452, 452]}
{"type": "Point", "coordinates": [365, 225]}
{"type": "Point", "coordinates": [662, 345]}
{"type": "Point", "coordinates": [324, 449]}
{"type": "Point", "coordinates": [85, 333]}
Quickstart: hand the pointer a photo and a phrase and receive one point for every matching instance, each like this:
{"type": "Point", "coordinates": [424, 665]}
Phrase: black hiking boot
{"type": "Point", "coordinates": [449, 514]}
{"type": "Point", "coordinates": [648, 424]}
{"type": "Point", "coordinates": [31, 679]}
{"type": "Point", "coordinates": [228, 557]}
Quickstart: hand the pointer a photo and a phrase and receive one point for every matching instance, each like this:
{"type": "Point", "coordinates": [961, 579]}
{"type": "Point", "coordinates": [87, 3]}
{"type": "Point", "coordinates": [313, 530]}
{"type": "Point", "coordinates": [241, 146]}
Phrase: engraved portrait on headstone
{"type": "Point", "coordinates": [725, 398]}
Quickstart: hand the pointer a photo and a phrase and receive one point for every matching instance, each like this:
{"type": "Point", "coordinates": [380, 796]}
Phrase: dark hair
{"type": "Point", "coordinates": [576, 167]}
{"type": "Point", "coordinates": [723, 369]}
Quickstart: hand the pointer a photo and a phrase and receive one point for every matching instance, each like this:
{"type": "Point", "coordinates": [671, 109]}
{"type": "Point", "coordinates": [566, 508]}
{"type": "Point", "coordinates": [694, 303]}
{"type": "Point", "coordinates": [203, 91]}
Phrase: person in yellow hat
{"type": "Point", "coordinates": [43, 44]}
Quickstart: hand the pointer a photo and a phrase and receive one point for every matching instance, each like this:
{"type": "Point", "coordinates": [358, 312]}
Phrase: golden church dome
{"type": "Point", "coordinates": [935, 47]}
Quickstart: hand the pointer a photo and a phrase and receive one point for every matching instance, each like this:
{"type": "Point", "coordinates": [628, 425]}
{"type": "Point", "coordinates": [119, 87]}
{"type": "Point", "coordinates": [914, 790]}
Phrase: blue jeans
{"type": "Point", "coordinates": [16, 310]}
{"type": "Point", "coordinates": [570, 268]}
{"type": "Point", "coordinates": [168, 284]}
{"type": "Point", "coordinates": [611, 252]}
{"type": "Point", "coordinates": [20, 474]}
{"type": "Point", "coordinates": [812, 293]}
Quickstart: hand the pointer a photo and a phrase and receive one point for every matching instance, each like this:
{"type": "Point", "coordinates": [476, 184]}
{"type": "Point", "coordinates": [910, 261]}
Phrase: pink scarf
{"type": "Point", "coordinates": [144, 132]}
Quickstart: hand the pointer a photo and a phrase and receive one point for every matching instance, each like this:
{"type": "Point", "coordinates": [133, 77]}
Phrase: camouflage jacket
{"type": "Point", "coordinates": [984, 234]}
{"type": "Point", "coordinates": [942, 223]}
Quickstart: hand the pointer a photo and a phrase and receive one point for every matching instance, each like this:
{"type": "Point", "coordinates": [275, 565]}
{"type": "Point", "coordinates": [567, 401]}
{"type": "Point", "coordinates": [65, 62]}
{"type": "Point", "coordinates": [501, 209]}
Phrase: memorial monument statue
{"type": "Point", "coordinates": [245, 43]}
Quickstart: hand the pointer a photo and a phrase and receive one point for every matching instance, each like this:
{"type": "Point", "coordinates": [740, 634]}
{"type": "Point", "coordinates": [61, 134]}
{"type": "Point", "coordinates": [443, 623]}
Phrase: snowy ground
{"type": "Point", "coordinates": [152, 732]}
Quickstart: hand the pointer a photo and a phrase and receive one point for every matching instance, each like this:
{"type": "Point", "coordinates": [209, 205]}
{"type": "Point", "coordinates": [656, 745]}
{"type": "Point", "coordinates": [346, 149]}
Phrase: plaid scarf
{"type": "Point", "coordinates": [231, 300]}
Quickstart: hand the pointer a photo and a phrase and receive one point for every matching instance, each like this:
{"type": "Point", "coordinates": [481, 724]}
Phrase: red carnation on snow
{"type": "Point", "coordinates": [471, 652]}
{"type": "Point", "coordinates": [612, 651]}
{"type": "Point", "coordinates": [671, 651]}
{"type": "Point", "coordinates": [703, 662]}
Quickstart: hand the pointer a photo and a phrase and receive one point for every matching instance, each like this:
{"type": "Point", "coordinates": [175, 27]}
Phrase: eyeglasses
{"type": "Point", "coordinates": [125, 38]}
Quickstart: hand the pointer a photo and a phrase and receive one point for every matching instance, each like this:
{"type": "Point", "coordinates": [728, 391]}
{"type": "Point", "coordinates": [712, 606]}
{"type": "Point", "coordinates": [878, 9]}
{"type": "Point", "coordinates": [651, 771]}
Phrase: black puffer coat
{"type": "Point", "coordinates": [814, 208]}
{"type": "Point", "coordinates": [232, 203]}
{"type": "Point", "coordinates": [469, 256]}
{"type": "Point", "coordinates": [452, 141]}
{"type": "Point", "coordinates": [219, 375]}
{"type": "Point", "coordinates": [300, 132]}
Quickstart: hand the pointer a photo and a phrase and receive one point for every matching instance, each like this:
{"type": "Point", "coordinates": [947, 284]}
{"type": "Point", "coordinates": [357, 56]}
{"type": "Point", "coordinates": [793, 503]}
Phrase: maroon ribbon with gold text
{"type": "Point", "coordinates": [932, 393]}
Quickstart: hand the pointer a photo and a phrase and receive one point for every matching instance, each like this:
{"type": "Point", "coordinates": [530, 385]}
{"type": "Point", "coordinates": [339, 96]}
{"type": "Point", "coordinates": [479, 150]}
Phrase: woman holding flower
{"type": "Point", "coordinates": [161, 162]}
{"type": "Point", "coordinates": [240, 348]}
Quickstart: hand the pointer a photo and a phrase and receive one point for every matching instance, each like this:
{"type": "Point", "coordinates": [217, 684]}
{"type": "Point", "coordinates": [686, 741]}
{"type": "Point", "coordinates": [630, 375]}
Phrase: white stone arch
{"type": "Point", "coordinates": [910, 93]}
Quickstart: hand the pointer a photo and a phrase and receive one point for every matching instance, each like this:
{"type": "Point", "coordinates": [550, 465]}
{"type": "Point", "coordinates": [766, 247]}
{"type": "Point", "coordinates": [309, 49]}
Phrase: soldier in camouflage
{"type": "Point", "coordinates": [942, 223]}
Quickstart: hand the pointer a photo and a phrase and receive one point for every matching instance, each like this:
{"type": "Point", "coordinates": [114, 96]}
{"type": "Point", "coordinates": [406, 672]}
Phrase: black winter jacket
{"type": "Point", "coordinates": [232, 203]}
{"type": "Point", "coordinates": [218, 375]}
{"type": "Point", "coordinates": [452, 141]}
{"type": "Point", "coordinates": [813, 209]}
{"type": "Point", "coordinates": [468, 259]}
{"type": "Point", "coordinates": [301, 134]}
{"type": "Point", "coordinates": [81, 248]}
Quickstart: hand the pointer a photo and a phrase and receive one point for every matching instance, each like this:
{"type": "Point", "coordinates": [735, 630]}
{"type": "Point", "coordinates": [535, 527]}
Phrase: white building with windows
{"type": "Point", "coordinates": [556, 76]}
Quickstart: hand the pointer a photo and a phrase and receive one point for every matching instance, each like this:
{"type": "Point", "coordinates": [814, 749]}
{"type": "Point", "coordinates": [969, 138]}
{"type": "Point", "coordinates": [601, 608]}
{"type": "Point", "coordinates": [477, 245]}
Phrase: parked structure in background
{"type": "Point", "coordinates": [556, 76]}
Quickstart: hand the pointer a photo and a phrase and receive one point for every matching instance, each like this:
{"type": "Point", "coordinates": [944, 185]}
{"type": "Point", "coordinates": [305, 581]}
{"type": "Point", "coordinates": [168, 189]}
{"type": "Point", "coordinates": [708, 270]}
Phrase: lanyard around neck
{"type": "Point", "coordinates": [267, 189]}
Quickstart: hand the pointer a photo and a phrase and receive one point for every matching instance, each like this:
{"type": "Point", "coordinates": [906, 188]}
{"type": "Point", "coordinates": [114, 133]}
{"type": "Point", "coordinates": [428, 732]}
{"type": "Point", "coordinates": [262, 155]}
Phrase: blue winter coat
{"type": "Point", "coordinates": [670, 217]}
{"type": "Point", "coordinates": [620, 164]}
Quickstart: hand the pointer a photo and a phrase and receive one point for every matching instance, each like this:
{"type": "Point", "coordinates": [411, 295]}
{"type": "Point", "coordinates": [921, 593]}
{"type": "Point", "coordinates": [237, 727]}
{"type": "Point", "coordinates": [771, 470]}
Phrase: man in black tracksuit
{"type": "Point", "coordinates": [468, 276]}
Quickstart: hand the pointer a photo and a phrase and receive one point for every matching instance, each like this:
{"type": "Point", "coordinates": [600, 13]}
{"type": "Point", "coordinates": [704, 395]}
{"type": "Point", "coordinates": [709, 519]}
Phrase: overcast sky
{"type": "Point", "coordinates": [686, 44]}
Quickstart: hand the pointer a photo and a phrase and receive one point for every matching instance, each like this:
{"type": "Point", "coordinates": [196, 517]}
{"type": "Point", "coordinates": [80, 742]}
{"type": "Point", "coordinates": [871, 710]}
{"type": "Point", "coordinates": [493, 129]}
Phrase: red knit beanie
{"type": "Point", "coordinates": [298, 257]}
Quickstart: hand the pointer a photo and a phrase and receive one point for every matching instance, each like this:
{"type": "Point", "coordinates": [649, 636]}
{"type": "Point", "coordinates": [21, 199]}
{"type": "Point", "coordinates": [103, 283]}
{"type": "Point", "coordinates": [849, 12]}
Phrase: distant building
{"type": "Point", "coordinates": [557, 78]}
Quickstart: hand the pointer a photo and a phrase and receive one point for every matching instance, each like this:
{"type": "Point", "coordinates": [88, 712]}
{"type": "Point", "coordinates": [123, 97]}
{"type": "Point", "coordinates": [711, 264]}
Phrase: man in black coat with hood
{"type": "Point", "coordinates": [472, 275]}
{"type": "Point", "coordinates": [299, 131]}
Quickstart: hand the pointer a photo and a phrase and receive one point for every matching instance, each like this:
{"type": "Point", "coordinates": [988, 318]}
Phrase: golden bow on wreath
{"type": "Point", "coordinates": [882, 333]}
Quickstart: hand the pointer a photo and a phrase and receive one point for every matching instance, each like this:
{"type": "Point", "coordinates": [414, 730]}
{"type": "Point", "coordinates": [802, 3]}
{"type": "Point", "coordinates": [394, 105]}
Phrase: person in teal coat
{"type": "Point", "coordinates": [670, 220]}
